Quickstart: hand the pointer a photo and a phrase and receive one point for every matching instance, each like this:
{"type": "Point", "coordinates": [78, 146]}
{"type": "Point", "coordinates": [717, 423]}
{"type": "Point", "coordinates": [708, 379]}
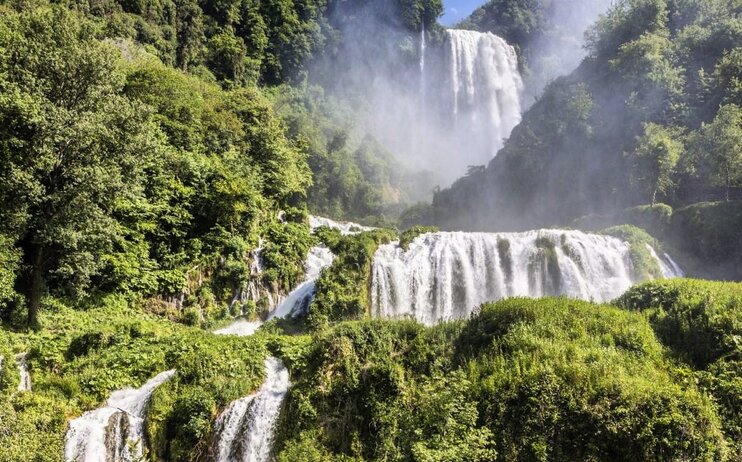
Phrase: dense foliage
{"type": "Point", "coordinates": [652, 113]}
{"type": "Point", "coordinates": [158, 159]}
{"type": "Point", "coordinates": [343, 290]}
{"type": "Point", "coordinates": [522, 380]}
{"type": "Point", "coordinates": [125, 175]}
{"type": "Point", "coordinates": [76, 364]}
{"type": "Point", "coordinates": [701, 323]}
{"type": "Point", "coordinates": [704, 237]}
{"type": "Point", "coordinates": [354, 177]}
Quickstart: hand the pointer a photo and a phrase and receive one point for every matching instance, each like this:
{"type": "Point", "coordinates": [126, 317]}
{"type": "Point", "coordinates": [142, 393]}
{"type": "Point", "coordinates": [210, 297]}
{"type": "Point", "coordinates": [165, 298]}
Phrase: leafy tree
{"type": "Point", "coordinates": [71, 147]}
{"type": "Point", "coordinates": [719, 144]}
{"type": "Point", "coordinates": [655, 159]}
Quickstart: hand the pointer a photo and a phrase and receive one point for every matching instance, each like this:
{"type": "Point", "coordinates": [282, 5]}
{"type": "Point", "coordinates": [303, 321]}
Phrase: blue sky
{"type": "Point", "coordinates": [456, 10]}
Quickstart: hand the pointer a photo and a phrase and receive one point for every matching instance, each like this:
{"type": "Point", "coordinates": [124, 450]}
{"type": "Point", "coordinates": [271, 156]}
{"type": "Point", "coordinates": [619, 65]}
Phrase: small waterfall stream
{"type": "Point", "coordinates": [447, 275]}
{"type": "Point", "coordinates": [114, 432]}
{"type": "Point", "coordinates": [245, 429]}
{"type": "Point", "coordinates": [22, 361]}
{"type": "Point", "coordinates": [299, 299]}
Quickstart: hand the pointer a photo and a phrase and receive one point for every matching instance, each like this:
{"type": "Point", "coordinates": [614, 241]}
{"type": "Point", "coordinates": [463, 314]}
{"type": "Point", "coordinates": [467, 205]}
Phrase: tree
{"type": "Point", "coordinates": [719, 146]}
{"type": "Point", "coordinates": [71, 147]}
{"type": "Point", "coordinates": [655, 158]}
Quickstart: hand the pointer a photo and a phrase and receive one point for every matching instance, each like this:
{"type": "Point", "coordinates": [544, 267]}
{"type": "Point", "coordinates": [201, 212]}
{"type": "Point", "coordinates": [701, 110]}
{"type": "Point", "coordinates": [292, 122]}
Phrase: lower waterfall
{"type": "Point", "coordinates": [447, 275]}
{"type": "Point", "coordinates": [246, 428]}
{"type": "Point", "coordinates": [114, 432]}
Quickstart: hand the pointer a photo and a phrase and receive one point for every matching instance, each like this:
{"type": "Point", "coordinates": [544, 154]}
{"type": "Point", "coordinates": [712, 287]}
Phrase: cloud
{"type": "Point", "coordinates": [454, 11]}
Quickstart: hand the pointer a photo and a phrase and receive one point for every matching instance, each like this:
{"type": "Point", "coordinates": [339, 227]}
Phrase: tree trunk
{"type": "Point", "coordinates": [36, 287]}
{"type": "Point", "coordinates": [728, 184]}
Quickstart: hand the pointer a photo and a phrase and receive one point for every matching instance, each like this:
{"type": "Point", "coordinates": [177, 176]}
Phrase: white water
{"type": "Point", "coordinates": [25, 376]}
{"type": "Point", "coordinates": [246, 428]}
{"type": "Point", "coordinates": [240, 328]}
{"type": "Point", "coordinates": [114, 432]}
{"type": "Point", "coordinates": [447, 275]}
{"type": "Point", "coordinates": [423, 47]}
{"type": "Point", "coordinates": [485, 87]}
{"type": "Point", "coordinates": [669, 268]}
{"type": "Point", "coordinates": [345, 227]}
{"type": "Point", "coordinates": [299, 299]}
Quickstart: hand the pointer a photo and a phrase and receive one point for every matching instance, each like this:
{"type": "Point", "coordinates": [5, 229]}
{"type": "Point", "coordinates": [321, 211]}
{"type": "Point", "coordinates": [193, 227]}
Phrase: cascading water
{"type": "Point", "coordinates": [246, 428]}
{"type": "Point", "coordinates": [345, 227]}
{"type": "Point", "coordinates": [299, 299]}
{"type": "Point", "coordinates": [114, 432]}
{"type": "Point", "coordinates": [447, 275]}
{"type": "Point", "coordinates": [423, 46]}
{"type": "Point", "coordinates": [669, 268]}
{"type": "Point", "coordinates": [25, 375]}
{"type": "Point", "coordinates": [485, 87]}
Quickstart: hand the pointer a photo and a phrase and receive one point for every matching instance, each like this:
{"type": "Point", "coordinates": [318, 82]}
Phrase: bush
{"type": "Point", "coordinates": [342, 291]}
{"type": "Point", "coordinates": [700, 321]}
{"type": "Point", "coordinates": [550, 379]}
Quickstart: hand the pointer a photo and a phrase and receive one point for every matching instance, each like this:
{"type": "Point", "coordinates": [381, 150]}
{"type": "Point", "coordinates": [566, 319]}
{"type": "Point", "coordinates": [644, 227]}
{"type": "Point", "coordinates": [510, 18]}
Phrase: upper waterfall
{"type": "Point", "coordinates": [447, 275]}
{"type": "Point", "coordinates": [485, 88]}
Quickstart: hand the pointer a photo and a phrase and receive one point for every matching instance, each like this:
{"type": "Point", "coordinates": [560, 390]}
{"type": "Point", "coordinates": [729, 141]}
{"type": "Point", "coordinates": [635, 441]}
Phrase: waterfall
{"type": "Point", "coordinates": [299, 299]}
{"type": "Point", "coordinates": [422, 61]}
{"type": "Point", "coordinates": [447, 275]}
{"type": "Point", "coordinates": [485, 87]}
{"type": "Point", "coordinates": [22, 361]}
{"type": "Point", "coordinates": [240, 328]}
{"type": "Point", "coordinates": [114, 432]}
{"type": "Point", "coordinates": [344, 227]}
{"type": "Point", "coordinates": [246, 428]}
{"type": "Point", "coordinates": [669, 268]}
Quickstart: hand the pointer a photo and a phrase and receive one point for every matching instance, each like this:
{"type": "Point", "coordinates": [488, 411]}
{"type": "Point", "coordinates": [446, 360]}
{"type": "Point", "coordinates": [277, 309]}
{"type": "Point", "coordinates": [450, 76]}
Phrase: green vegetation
{"type": "Point", "coordinates": [148, 148]}
{"type": "Point", "coordinates": [343, 289]}
{"type": "Point", "coordinates": [701, 323]}
{"type": "Point", "coordinates": [523, 379]}
{"type": "Point", "coordinates": [354, 177]}
{"type": "Point", "coordinates": [645, 267]}
{"type": "Point", "coordinates": [409, 235]}
{"type": "Point", "coordinates": [652, 113]}
{"type": "Point", "coordinates": [704, 237]}
{"type": "Point", "coordinates": [128, 176]}
{"type": "Point", "coordinates": [79, 361]}
{"type": "Point", "coordinates": [710, 233]}
{"type": "Point", "coordinates": [655, 159]}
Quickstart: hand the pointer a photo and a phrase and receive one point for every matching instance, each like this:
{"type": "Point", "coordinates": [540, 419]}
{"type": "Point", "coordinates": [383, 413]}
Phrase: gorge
{"type": "Point", "coordinates": [335, 231]}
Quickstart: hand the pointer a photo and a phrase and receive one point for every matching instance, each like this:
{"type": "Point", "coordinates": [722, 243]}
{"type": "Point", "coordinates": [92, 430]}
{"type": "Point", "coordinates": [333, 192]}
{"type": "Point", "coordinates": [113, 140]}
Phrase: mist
{"type": "Point", "coordinates": [439, 100]}
{"type": "Point", "coordinates": [559, 51]}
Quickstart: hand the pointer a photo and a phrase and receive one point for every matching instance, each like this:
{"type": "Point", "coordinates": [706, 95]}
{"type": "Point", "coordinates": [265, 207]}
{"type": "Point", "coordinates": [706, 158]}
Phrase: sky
{"type": "Point", "coordinates": [456, 10]}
